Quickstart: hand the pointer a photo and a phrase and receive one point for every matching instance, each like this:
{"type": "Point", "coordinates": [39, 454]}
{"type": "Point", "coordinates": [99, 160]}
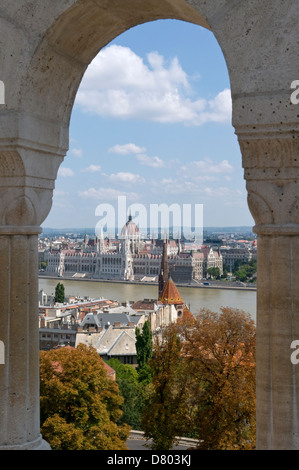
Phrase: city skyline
{"type": "Point", "coordinates": [152, 122]}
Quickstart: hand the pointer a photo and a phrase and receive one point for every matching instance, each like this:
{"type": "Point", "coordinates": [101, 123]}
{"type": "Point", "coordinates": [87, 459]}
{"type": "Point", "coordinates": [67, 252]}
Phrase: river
{"type": "Point", "coordinates": [196, 298]}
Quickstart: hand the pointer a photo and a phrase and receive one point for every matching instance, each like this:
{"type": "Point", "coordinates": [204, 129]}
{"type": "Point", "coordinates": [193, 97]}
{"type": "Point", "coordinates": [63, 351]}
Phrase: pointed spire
{"type": "Point", "coordinates": [164, 271]}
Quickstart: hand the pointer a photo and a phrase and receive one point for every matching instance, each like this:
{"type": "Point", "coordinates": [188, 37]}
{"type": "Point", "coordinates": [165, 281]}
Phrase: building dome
{"type": "Point", "coordinates": [130, 230]}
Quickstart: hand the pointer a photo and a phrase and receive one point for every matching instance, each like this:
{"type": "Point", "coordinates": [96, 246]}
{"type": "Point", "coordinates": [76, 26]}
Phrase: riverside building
{"type": "Point", "coordinates": [132, 258]}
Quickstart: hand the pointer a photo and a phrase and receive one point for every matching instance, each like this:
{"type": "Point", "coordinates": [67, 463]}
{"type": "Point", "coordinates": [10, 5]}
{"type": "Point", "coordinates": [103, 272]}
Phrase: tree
{"type": "Point", "coordinates": [144, 349]}
{"type": "Point", "coordinates": [225, 273]}
{"type": "Point", "coordinates": [131, 391]}
{"type": "Point", "coordinates": [220, 351]}
{"type": "Point", "coordinates": [164, 412]}
{"type": "Point", "coordinates": [246, 272]}
{"type": "Point", "coordinates": [241, 275]}
{"type": "Point", "coordinates": [80, 406]}
{"type": "Point", "coordinates": [204, 382]}
{"type": "Point", "coordinates": [59, 293]}
{"type": "Point", "coordinates": [214, 272]}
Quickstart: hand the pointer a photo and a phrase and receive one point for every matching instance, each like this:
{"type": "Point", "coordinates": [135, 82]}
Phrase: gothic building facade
{"type": "Point", "coordinates": [132, 258]}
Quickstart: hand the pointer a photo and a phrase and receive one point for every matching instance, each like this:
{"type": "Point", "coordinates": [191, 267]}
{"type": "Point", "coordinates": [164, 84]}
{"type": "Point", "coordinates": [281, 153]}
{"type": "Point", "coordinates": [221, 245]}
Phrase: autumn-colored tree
{"type": "Point", "coordinates": [80, 406]}
{"type": "Point", "coordinates": [220, 352]}
{"type": "Point", "coordinates": [164, 414]}
{"type": "Point", "coordinates": [209, 384]}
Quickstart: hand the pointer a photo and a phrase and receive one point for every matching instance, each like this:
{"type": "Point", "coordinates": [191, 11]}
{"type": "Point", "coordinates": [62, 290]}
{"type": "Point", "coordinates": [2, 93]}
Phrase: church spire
{"type": "Point", "coordinates": [164, 270]}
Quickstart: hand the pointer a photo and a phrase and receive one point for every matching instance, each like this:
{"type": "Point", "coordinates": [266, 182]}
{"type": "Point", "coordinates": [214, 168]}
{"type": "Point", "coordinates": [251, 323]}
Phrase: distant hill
{"type": "Point", "coordinates": [237, 229]}
{"type": "Point", "coordinates": [62, 231]}
{"type": "Point", "coordinates": [48, 231]}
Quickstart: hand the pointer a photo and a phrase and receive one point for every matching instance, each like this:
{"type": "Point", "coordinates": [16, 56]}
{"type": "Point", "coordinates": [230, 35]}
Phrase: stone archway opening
{"type": "Point", "coordinates": [86, 114]}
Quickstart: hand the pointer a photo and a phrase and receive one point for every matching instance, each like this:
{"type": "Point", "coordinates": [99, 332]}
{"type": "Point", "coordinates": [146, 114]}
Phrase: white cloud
{"type": "Point", "coordinates": [92, 169]}
{"type": "Point", "coordinates": [202, 190]}
{"type": "Point", "coordinates": [154, 162]}
{"type": "Point", "coordinates": [203, 178]}
{"type": "Point", "coordinates": [77, 152]}
{"type": "Point", "coordinates": [118, 83]}
{"type": "Point", "coordinates": [126, 177]}
{"type": "Point", "coordinates": [126, 149]}
{"type": "Point", "coordinates": [65, 172]}
{"type": "Point", "coordinates": [217, 110]}
{"type": "Point", "coordinates": [59, 193]}
{"type": "Point", "coordinates": [220, 192]}
{"type": "Point", "coordinates": [133, 149]}
{"type": "Point", "coordinates": [107, 194]}
{"type": "Point", "coordinates": [208, 166]}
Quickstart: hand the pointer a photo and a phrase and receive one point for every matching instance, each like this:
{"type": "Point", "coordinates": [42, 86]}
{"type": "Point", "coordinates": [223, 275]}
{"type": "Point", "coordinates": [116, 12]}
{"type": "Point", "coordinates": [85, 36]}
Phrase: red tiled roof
{"type": "Point", "coordinates": [109, 371]}
{"type": "Point", "coordinates": [171, 294]}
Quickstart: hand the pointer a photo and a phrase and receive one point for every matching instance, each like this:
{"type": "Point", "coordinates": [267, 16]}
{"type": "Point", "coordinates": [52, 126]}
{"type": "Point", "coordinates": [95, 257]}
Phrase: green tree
{"type": "Point", "coordinates": [225, 273]}
{"type": "Point", "coordinates": [132, 392]}
{"type": "Point", "coordinates": [241, 275]}
{"type": "Point", "coordinates": [246, 271]}
{"type": "Point", "coordinates": [214, 272]}
{"type": "Point", "coordinates": [80, 407]}
{"type": "Point", "coordinates": [59, 293]}
{"type": "Point", "coordinates": [144, 349]}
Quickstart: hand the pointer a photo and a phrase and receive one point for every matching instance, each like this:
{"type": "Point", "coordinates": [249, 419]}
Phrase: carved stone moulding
{"type": "Point", "coordinates": [269, 146]}
{"type": "Point", "coordinates": [27, 181]}
{"type": "Point", "coordinates": [271, 170]}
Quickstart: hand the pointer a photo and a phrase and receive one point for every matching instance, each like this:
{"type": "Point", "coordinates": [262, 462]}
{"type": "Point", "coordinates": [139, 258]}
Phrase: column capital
{"type": "Point", "coordinates": [270, 158]}
{"type": "Point", "coordinates": [27, 181]}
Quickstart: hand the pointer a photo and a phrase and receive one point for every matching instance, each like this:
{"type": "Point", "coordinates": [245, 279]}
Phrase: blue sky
{"type": "Point", "coordinates": [152, 122]}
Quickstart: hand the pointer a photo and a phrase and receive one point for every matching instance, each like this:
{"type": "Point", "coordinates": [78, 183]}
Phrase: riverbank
{"type": "Point", "coordinates": [227, 285]}
{"type": "Point", "coordinates": [196, 298]}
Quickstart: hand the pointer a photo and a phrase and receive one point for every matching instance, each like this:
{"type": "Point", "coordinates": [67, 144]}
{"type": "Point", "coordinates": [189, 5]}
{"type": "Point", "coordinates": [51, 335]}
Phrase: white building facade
{"type": "Point", "coordinates": [132, 259]}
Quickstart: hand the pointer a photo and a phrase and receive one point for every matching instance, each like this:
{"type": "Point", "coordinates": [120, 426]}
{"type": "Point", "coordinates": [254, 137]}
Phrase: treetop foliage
{"type": "Point", "coordinates": [59, 293]}
{"type": "Point", "coordinates": [80, 406]}
{"type": "Point", "coordinates": [204, 382]}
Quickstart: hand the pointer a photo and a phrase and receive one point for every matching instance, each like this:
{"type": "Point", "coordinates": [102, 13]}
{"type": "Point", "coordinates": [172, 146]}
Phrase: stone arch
{"type": "Point", "coordinates": [60, 61]}
{"type": "Point", "coordinates": [46, 49]}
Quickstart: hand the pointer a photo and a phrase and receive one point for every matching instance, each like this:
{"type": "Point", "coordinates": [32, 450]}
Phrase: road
{"type": "Point", "coordinates": [139, 444]}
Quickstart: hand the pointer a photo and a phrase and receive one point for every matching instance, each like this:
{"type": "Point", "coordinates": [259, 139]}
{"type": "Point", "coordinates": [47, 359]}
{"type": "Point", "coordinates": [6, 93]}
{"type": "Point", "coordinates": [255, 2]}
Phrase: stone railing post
{"type": "Point", "coordinates": [271, 165]}
{"type": "Point", "coordinates": [26, 187]}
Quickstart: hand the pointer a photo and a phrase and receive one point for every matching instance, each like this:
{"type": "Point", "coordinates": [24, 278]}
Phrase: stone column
{"type": "Point", "coordinates": [271, 163]}
{"type": "Point", "coordinates": [25, 200]}
{"type": "Point", "coordinates": [19, 376]}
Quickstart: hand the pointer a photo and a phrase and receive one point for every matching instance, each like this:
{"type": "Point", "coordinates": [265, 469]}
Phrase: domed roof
{"type": "Point", "coordinates": [130, 230]}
